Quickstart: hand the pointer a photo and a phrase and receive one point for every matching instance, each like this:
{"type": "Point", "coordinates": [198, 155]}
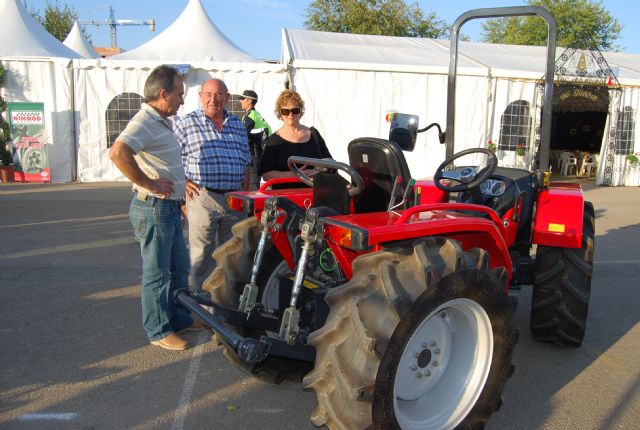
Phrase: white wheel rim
{"type": "Point", "coordinates": [444, 367]}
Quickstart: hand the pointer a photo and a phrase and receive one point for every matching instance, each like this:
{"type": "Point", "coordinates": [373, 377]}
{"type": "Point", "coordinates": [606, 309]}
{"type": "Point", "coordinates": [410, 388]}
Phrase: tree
{"type": "Point", "coordinates": [57, 20]}
{"type": "Point", "coordinates": [382, 17]}
{"type": "Point", "coordinates": [581, 24]}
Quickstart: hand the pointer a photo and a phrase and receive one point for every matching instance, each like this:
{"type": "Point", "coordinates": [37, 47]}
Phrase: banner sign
{"type": "Point", "coordinates": [28, 138]}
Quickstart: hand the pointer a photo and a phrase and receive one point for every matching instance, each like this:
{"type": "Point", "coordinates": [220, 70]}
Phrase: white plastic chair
{"type": "Point", "coordinates": [554, 159]}
{"type": "Point", "coordinates": [568, 161]}
{"type": "Point", "coordinates": [591, 165]}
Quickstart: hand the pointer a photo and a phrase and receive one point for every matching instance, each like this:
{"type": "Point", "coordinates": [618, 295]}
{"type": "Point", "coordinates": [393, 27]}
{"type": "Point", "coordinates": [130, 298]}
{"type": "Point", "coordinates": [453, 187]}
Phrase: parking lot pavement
{"type": "Point", "coordinates": [74, 355]}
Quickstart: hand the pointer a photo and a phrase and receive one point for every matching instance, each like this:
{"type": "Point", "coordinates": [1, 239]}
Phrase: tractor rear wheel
{"type": "Point", "coordinates": [233, 271]}
{"type": "Point", "coordinates": [421, 337]}
{"type": "Point", "coordinates": [562, 288]}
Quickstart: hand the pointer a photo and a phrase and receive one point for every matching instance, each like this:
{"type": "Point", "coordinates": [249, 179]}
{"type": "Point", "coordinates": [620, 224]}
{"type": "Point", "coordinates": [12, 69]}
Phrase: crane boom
{"type": "Point", "coordinates": [112, 22]}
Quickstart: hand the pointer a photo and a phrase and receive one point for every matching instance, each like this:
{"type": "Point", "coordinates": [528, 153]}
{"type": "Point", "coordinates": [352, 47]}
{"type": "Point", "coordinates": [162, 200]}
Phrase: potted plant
{"type": "Point", "coordinates": [633, 159]}
{"type": "Point", "coordinates": [492, 146]}
{"type": "Point", "coordinates": [520, 150]}
{"type": "Point", "coordinates": [6, 164]}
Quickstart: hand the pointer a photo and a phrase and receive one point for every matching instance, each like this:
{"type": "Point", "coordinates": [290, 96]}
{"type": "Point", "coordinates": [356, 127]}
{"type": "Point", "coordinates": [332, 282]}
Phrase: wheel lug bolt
{"type": "Point", "coordinates": [416, 354]}
{"type": "Point", "coordinates": [437, 351]}
{"type": "Point", "coordinates": [427, 373]}
{"type": "Point", "coordinates": [424, 345]}
{"type": "Point", "coordinates": [433, 343]}
{"type": "Point", "coordinates": [413, 367]}
{"type": "Point", "coordinates": [418, 375]}
{"type": "Point", "coordinates": [436, 364]}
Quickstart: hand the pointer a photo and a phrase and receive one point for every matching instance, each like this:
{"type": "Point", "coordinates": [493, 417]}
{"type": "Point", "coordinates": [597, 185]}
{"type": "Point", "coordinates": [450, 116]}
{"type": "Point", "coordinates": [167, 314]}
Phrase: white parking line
{"type": "Point", "coordinates": [189, 382]}
{"type": "Point", "coordinates": [68, 416]}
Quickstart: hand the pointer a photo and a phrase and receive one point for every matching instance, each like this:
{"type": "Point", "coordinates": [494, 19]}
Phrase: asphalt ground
{"type": "Point", "coordinates": [73, 354]}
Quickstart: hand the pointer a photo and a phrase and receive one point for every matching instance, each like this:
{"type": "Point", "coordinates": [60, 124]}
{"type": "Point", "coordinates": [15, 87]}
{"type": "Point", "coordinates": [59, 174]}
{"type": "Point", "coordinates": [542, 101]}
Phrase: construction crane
{"type": "Point", "coordinates": [112, 22]}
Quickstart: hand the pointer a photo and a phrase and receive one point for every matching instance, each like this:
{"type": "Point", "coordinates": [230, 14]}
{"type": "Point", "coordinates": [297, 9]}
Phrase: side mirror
{"type": "Point", "coordinates": [403, 130]}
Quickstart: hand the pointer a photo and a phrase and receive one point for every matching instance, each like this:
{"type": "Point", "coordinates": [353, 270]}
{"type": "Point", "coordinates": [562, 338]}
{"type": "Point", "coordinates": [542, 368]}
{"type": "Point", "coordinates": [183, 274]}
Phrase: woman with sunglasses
{"type": "Point", "coordinates": [292, 138]}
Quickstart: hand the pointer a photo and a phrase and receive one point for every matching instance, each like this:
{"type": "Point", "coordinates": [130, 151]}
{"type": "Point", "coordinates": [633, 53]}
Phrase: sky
{"type": "Point", "coordinates": [256, 25]}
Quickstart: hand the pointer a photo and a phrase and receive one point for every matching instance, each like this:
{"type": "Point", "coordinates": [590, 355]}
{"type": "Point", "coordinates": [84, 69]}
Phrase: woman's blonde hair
{"type": "Point", "coordinates": [289, 97]}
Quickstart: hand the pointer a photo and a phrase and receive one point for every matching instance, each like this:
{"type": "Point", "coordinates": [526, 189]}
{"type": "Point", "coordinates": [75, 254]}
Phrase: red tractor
{"type": "Point", "coordinates": [390, 296]}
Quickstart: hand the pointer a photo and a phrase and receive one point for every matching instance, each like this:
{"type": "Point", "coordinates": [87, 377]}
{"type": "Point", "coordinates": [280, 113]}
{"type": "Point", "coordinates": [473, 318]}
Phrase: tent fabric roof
{"type": "Point", "coordinates": [320, 49]}
{"type": "Point", "coordinates": [317, 49]}
{"type": "Point", "coordinates": [192, 36]}
{"type": "Point", "coordinates": [76, 41]}
{"type": "Point", "coordinates": [22, 36]}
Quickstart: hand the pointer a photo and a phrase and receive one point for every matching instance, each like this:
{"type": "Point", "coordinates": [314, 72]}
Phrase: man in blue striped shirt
{"type": "Point", "coordinates": [216, 159]}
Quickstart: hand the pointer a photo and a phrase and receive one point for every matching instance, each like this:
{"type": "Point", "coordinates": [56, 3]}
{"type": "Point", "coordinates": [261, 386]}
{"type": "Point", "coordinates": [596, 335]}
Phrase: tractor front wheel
{"type": "Point", "coordinates": [420, 338]}
{"type": "Point", "coordinates": [560, 298]}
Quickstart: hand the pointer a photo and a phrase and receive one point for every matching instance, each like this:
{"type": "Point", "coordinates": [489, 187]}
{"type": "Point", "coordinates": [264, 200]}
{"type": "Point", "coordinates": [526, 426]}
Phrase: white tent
{"type": "Point", "coordinates": [76, 41]}
{"type": "Point", "coordinates": [191, 37]}
{"type": "Point", "coordinates": [349, 82]}
{"type": "Point", "coordinates": [39, 70]}
{"type": "Point", "coordinates": [192, 43]}
{"type": "Point", "coordinates": [100, 83]}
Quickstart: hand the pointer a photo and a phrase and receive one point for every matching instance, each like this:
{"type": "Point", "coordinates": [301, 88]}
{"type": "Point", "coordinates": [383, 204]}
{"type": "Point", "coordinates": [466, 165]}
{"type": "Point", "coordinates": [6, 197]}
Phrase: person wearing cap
{"type": "Point", "coordinates": [258, 130]}
{"type": "Point", "coordinates": [216, 159]}
{"type": "Point", "coordinates": [252, 118]}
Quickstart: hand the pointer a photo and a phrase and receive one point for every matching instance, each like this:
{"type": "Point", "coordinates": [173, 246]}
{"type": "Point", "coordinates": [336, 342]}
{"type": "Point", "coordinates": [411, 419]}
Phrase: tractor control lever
{"type": "Point", "coordinates": [268, 219]}
{"type": "Point", "coordinates": [309, 234]}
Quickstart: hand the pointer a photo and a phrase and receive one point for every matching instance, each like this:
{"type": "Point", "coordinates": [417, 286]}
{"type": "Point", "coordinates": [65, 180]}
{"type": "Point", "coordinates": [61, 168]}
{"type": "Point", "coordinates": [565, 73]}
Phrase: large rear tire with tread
{"type": "Point", "coordinates": [234, 262]}
{"type": "Point", "coordinates": [560, 298]}
{"type": "Point", "coordinates": [421, 337]}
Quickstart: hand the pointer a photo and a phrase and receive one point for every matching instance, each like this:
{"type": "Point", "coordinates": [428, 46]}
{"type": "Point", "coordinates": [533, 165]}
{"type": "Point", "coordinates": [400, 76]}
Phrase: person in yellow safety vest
{"type": "Point", "coordinates": [257, 128]}
{"type": "Point", "coordinates": [252, 118]}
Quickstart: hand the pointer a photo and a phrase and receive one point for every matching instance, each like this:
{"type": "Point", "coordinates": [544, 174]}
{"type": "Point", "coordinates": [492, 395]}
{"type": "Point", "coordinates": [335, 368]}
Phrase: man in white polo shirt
{"type": "Point", "coordinates": [148, 154]}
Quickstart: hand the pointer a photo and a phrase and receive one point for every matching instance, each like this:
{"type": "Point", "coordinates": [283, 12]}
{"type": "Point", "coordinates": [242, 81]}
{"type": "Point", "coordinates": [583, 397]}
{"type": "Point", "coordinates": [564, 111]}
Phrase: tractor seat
{"type": "Point", "coordinates": [381, 164]}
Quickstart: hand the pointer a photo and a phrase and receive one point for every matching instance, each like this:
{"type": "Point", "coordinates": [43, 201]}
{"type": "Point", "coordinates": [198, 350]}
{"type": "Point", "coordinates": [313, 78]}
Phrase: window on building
{"type": "Point", "coordinates": [625, 131]}
{"type": "Point", "coordinates": [233, 105]}
{"type": "Point", "coordinates": [120, 110]}
{"type": "Point", "coordinates": [515, 126]}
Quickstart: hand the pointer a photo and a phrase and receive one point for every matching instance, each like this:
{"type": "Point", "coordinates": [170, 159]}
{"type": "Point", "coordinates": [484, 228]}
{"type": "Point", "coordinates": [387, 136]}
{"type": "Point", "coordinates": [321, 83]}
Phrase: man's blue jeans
{"type": "Point", "coordinates": [165, 264]}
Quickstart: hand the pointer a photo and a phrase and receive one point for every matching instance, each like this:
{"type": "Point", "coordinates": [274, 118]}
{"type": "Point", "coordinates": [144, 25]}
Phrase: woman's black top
{"type": "Point", "coordinates": [278, 150]}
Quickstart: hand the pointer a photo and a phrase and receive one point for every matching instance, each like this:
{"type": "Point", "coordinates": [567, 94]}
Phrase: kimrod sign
{"type": "Point", "coordinates": [28, 138]}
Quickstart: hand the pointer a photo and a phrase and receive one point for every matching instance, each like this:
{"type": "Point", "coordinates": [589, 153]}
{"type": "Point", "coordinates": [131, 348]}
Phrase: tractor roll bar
{"type": "Point", "coordinates": [549, 74]}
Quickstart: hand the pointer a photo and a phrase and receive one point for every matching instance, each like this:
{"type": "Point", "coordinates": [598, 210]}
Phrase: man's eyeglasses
{"type": "Point", "coordinates": [215, 95]}
{"type": "Point", "coordinates": [286, 112]}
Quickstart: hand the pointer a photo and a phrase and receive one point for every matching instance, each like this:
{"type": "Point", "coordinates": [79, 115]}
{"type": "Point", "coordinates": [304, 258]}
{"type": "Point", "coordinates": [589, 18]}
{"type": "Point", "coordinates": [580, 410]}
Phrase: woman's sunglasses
{"type": "Point", "coordinates": [286, 112]}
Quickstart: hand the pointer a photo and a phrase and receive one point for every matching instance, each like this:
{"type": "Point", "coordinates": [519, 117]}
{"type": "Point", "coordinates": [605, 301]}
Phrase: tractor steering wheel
{"type": "Point", "coordinates": [467, 177]}
{"type": "Point", "coordinates": [357, 184]}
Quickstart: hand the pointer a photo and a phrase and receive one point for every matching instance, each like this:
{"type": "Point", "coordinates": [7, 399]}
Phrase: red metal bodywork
{"type": "Point", "coordinates": [558, 220]}
{"type": "Point", "coordinates": [252, 202]}
{"type": "Point", "coordinates": [427, 192]}
{"type": "Point", "coordinates": [382, 228]}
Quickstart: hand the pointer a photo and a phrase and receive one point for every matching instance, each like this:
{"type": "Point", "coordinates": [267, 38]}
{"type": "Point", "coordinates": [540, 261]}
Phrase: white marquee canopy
{"type": "Point", "coordinates": [76, 41]}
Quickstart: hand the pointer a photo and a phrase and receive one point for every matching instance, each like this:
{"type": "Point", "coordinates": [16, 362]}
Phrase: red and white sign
{"type": "Point", "coordinates": [26, 117]}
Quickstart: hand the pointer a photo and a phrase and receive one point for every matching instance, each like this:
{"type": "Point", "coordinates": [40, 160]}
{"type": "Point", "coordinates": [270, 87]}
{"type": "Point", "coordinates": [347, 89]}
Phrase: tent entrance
{"type": "Point", "coordinates": [579, 117]}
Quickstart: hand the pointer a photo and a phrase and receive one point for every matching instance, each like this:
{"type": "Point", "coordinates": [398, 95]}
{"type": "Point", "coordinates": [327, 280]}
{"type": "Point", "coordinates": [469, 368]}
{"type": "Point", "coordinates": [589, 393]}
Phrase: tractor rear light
{"type": "Point", "coordinates": [347, 236]}
{"type": "Point", "coordinates": [238, 204]}
{"type": "Point", "coordinates": [344, 237]}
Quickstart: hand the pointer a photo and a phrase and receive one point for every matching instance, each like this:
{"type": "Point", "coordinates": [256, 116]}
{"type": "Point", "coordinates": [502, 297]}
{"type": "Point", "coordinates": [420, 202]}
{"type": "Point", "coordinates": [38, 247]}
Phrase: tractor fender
{"type": "Point", "coordinates": [558, 218]}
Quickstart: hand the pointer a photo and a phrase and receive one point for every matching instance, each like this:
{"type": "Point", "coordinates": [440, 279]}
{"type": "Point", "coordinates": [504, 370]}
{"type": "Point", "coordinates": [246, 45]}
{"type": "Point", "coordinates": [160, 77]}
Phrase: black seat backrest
{"type": "Point", "coordinates": [380, 163]}
{"type": "Point", "coordinates": [330, 189]}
